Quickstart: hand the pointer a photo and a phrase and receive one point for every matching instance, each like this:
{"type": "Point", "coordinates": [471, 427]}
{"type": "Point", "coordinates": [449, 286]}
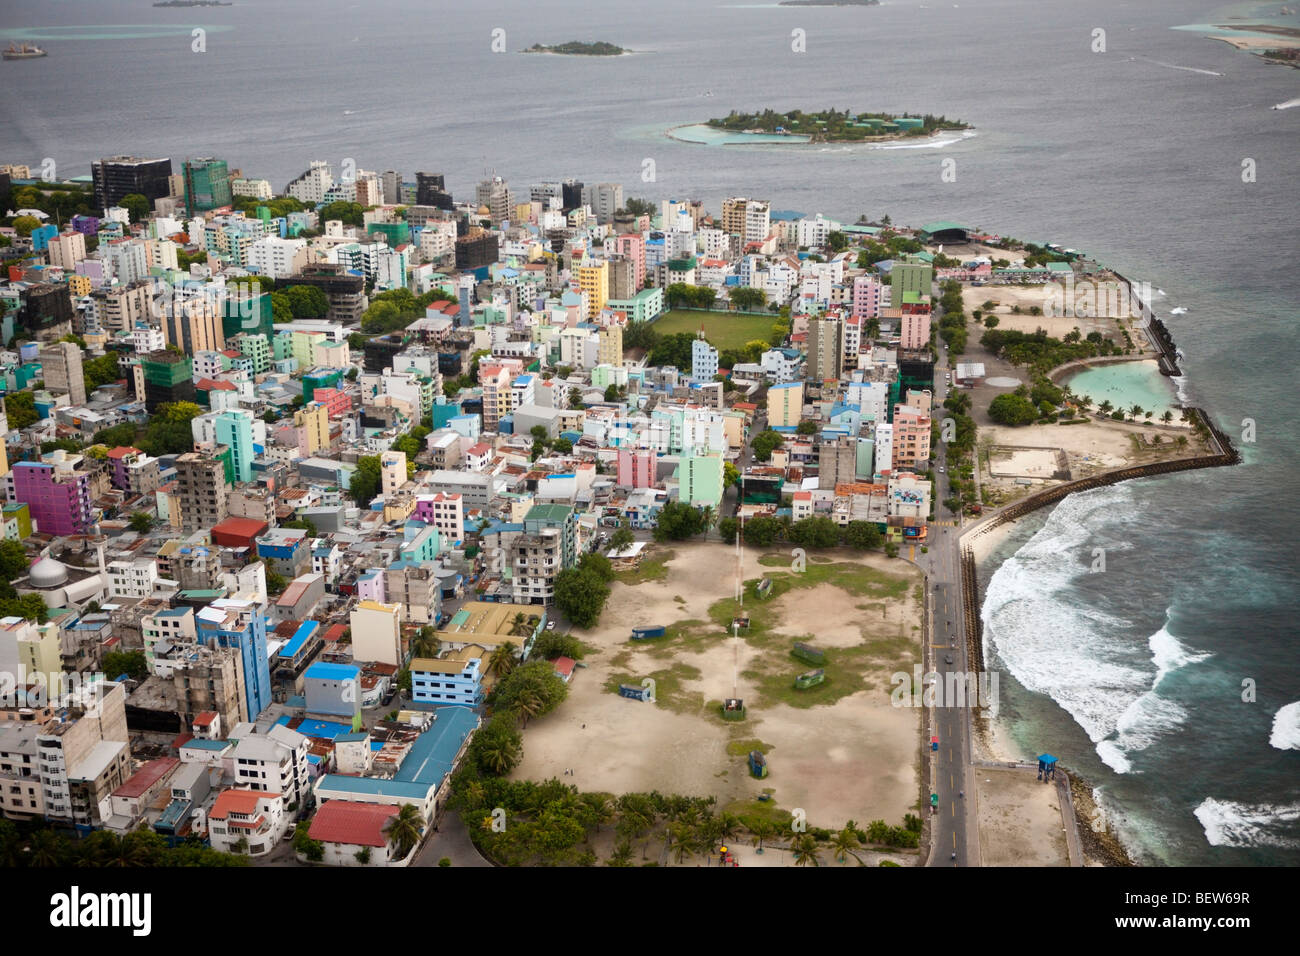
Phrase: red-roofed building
{"type": "Point", "coordinates": [207, 725]}
{"type": "Point", "coordinates": [141, 789]}
{"type": "Point", "coordinates": [238, 532]}
{"type": "Point", "coordinates": [347, 828]}
{"type": "Point", "coordinates": [246, 815]}
{"type": "Point", "coordinates": [564, 668]}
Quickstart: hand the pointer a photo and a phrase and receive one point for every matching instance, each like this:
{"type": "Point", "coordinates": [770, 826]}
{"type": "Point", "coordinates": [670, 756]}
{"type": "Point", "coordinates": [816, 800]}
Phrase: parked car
{"type": "Point", "coordinates": [947, 658]}
{"type": "Point", "coordinates": [550, 625]}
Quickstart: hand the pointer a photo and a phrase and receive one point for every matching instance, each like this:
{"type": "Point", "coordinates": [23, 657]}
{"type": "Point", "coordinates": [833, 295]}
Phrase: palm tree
{"type": "Point", "coordinates": [475, 793]}
{"type": "Point", "coordinates": [1167, 417]}
{"type": "Point", "coordinates": [1146, 415]}
{"type": "Point", "coordinates": [519, 626]}
{"type": "Point", "coordinates": [500, 753]}
{"type": "Point", "coordinates": [761, 830]}
{"type": "Point", "coordinates": [728, 826]}
{"type": "Point", "coordinates": [527, 705]}
{"type": "Point", "coordinates": [1085, 402]}
{"type": "Point", "coordinates": [47, 849]}
{"type": "Point", "coordinates": [622, 855]}
{"type": "Point", "coordinates": [1182, 441]}
{"type": "Point", "coordinates": [681, 841]}
{"type": "Point", "coordinates": [1105, 407]}
{"type": "Point", "coordinates": [805, 851]}
{"type": "Point", "coordinates": [1134, 411]}
{"type": "Point", "coordinates": [405, 829]}
{"type": "Point", "coordinates": [598, 805]}
{"type": "Point", "coordinates": [845, 842]}
{"type": "Point", "coordinates": [502, 661]}
{"type": "Point", "coordinates": [425, 644]}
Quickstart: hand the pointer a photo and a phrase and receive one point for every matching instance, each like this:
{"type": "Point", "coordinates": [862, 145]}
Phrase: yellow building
{"type": "Point", "coordinates": [593, 279]}
{"type": "Point", "coordinates": [610, 349]}
{"type": "Point", "coordinates": [78, 285]}
{"type": "Point", "coordinates": [377, 633]}
{"type": "Point", "coordinates": [315, 420]}
{"type": "Point", "coordinates": [785, 405]}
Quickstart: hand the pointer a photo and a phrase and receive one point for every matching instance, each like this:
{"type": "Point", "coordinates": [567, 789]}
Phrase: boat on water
{"type": "Point", "coordinates": [24, 52]}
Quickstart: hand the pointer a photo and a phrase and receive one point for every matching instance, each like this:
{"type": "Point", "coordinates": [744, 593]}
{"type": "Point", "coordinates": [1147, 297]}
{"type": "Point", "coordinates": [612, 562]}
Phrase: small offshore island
{"type": "Point", "coordinates": [579, 48]}
{"type": "Point", "coordinates": [835, 126]}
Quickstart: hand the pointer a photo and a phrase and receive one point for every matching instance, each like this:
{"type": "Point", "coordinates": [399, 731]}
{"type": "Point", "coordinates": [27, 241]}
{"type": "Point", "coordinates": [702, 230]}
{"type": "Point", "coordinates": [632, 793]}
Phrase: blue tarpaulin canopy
{"type": "Point", "coordinates": [1046, 758]}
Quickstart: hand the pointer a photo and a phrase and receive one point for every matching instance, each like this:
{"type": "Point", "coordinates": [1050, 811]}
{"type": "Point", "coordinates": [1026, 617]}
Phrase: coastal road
{"type": "Point", "coordinates": [955, 838]}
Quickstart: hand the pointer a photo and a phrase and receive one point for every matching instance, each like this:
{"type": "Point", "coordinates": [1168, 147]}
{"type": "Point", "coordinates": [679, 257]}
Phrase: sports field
{"type": "Point", "coordinates": [723, 331]}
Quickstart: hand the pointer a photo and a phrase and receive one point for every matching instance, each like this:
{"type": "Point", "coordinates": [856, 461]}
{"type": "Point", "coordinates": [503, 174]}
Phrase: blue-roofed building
{"type": "Point", "coordinates": [456, 678]}
{"type": "Point", "coordinates": [334, 690]}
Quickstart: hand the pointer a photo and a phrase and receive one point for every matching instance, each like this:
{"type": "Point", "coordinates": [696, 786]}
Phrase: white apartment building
{"type": "Point", "coordinates": [311, 186]}
{"type": "Point", "coordinates": [132, 579]}
{"type": "Point", "coordinates": [253, 188]}
{"type": "Point", "coordinates": [276, 258]}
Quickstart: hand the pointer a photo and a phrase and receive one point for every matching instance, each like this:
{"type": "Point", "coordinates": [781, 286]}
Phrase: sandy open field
{"type": "Point", "coordinates": [1029, 296]}
{"type": "Point", "coordinates": [1019, 820]}
{"type": "Point", "coordinates": [1023, 462]}
{"type": "Point", "coordinates": [856, 758]}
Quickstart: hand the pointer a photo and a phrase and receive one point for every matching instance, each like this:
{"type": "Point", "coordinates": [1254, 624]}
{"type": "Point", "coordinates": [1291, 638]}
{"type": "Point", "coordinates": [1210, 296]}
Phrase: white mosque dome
{"type": "Point", "coordinates": [48, 573]}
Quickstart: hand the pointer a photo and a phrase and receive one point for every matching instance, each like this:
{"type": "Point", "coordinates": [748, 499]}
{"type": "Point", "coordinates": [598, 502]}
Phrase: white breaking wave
{"type": "Point", "coordinates": [1071, 654]}
{"type": "Point", "coordinates": [1180, 388]}
{"type": "Point", "coordinates": [1286, 728]}
{"type": "Point", "coordinates": [1229, 823]}
{"type": "Point", "coordinates": [930, 144]}
{"type": "Point", "coordinates": [1178, 311]}
{"type": "Point", "coordinates": [1186, 69]}
{"type": "Point", "coordinates": [1288, 104]}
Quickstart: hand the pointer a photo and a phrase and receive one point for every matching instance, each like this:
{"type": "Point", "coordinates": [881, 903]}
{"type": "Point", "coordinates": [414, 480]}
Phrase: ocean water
{"type": "Point", "coordinates": [1161, 156]}
{"type": "Point", "coordinates": [1125, 384]}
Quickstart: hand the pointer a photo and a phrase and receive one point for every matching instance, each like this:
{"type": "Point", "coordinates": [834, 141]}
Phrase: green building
{"type": "Point", "coordinates": [320, 378]}
{"type": "Point", "coordinates": [168, 377]}
{"type": "Point", "coordinates": [207, 184]}
{"type": "Point", "coordinates": [699, 481]}
{"type": "Point", "coordinates": [645, 305]}
{"type": "Point", "coordinates": [909, 274]}
{"type": "Point", "coordinates": [562, 517]}
{"type": "Point", "coordinates": [257, 348]}
{"type": "Point", "coordinates": [394, 233]}
{"type": "Point", "coordinates": [250, 314]}
{"type": "Point", "coordinates": [17, 521]}
{"type": "Point", "coordinates": [235, 431]}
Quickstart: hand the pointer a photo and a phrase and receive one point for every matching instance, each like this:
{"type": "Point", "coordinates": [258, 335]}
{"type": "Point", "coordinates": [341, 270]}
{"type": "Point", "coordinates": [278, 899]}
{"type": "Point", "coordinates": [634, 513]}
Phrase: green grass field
{"type": "Point", "coordinates": [722, 331]}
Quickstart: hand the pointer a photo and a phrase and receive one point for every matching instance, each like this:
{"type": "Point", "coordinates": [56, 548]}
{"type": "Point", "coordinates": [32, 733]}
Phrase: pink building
{"type": "Point", "coordinates": [56, 493]}
{"type": "Point", "coordinates": [336, 402]}
{"type": "Point", "coordinates": [866, 297]}
{"type": "Point", "coordinates": [121, 458]}
{"type": "Point", "coordinates": [915, 331]}
{"type": "Point", "coordinates": [370, 586]}
{"type": "Point", "coordinates": [636, 467]}
{"type": "Point", "coordinates": [631, 246]}
{"type": "Point", "coordinates": [444, 512]}
{"type": "Point", "coordinates": [911, 446]}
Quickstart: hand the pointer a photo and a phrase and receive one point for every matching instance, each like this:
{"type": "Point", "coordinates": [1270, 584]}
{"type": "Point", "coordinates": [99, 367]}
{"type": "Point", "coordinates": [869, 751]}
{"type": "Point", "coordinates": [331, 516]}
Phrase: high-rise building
{"type": "Point", "coordinates": [66, 250]}
{"type": "Point", "coordinates": [475, 249]}
{"type": "Point", "coordinates": [570, 194]}
{"type": "Point", "coordinates": [229, 622]}
{"type": "Point", "coordinates": [909, 274]}
{"type": "Point", "coordinates": [234, 429]}
{"type": "Point", "coordinates": [605, 199]}
{"type": "Point", "coordinates": [431, 190]}
{"type": "Point", "coordinates": [345, 290]}
{"type": "Point", "coordinates": [750, 219]}
{"type": "Point", "coordinates": [202, 486]}
{"type": "Point", "coordinates": [593, 279]}
{"type": "Point", "coordinates": [207, 184]}
{"type": "Point", "coordinates": [824, 349]}
{"type": "Point", "coordinates": [494, 193]}
{"type": "Point", "coordinates": [392, 472]}
{"type": "Point", "coordinates": [119, 176]}
{"type": "Point", "coordinates": [194, 324]}
{"type": "Point", "coordinates": [168, 377]}
{"type": "Point", "coordinates": [837, 462]}
{"type": "Point", "coordinates": [311, 186]}
{"type": "Point", "coordinates": [704, 361]}
{"type": "Point", "coordinates": [391, 180]}
{"type": "Point", "coordinates": [609, 350]}
{"type": "Point", "coordinates": [56, 491]}
{"type": "Point", "coordinates": [61, 368]}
